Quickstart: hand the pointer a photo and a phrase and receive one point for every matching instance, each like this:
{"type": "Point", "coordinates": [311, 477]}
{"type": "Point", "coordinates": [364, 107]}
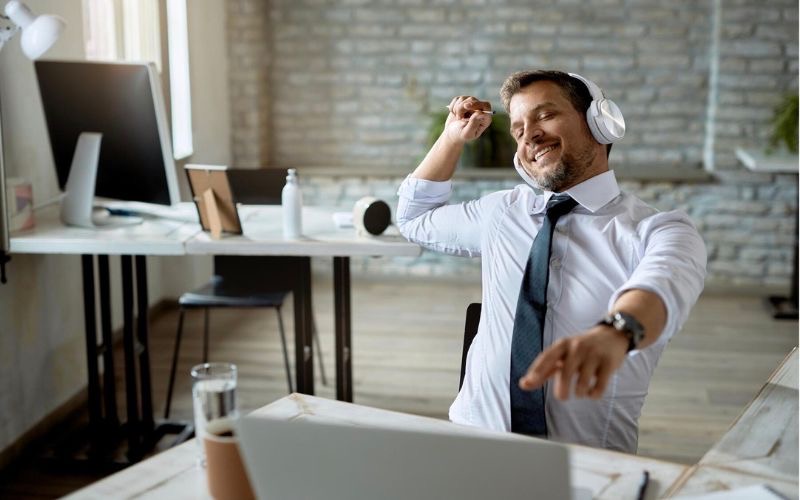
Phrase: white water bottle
{"type": "Point", "coordinates": [292, 201]}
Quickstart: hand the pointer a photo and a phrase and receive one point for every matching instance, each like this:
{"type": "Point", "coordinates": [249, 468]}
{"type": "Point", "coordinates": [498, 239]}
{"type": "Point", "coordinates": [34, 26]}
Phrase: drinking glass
{"type": "Point", "coordinates": [214, 396]}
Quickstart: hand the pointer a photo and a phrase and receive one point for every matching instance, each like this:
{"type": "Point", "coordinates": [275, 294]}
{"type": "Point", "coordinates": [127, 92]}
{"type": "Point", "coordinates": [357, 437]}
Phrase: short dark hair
{"type": "Point", "coordinates": [574, 90]}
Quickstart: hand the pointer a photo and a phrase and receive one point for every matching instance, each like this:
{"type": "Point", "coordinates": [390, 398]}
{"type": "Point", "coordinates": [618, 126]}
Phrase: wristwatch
{"type": "Point", "coordinates": [627, 325]}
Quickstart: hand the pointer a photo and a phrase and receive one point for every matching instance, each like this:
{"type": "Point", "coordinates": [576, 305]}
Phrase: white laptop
{"type": "Point", "coordinates": [311, 459]}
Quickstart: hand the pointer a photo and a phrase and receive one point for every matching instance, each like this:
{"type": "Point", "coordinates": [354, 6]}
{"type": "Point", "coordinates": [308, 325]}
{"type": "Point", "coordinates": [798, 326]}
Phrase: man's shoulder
{"type": "Point", "coordinates": [646, 216]}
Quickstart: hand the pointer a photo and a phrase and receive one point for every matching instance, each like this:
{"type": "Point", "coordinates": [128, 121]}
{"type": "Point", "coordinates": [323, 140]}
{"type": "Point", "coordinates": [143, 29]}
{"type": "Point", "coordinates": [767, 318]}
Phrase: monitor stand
{"type": "Point", "coordinates": [77, 205]}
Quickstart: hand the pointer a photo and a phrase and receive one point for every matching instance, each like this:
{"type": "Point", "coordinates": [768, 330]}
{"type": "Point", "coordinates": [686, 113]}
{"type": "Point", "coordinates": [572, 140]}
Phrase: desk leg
{"type": "Point", "coordinates": [304, 361]}
{"type": "Point", "coordinates": [131, 391]}
{"type": "Point", "coordinates": [142, 331]}
{"type": "Point", "coordinates": [109, 384]}
{"type": "Point", "coordinates": [341, 295]}
{"type": "Point", "coordinates": [95, 415]}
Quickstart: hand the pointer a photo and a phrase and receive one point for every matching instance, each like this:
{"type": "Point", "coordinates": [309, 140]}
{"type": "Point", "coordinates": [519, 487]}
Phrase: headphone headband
{"type": "Point", "coordinates": [594, 90]}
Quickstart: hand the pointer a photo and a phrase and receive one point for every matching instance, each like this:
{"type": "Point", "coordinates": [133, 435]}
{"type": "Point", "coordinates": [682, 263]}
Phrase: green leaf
{"type": "Point", "coordinates": [784, 124]}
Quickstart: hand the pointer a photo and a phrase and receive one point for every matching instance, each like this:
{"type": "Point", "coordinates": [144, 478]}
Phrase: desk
{"type": "Point", "coordinates": [159, 237]}
{"type": "Point", "coordinates": [760, 448]}
{"type": "Point", "coordinates": [780, 163]}
{"type": "Point", "coordinates": [152, 237]}
{"type": "Point", "coordinates": [174, 473]}
{"type": "Point", "coordinates": [761, 445]}
{"type": "Point", "coordinates": [263, 236]}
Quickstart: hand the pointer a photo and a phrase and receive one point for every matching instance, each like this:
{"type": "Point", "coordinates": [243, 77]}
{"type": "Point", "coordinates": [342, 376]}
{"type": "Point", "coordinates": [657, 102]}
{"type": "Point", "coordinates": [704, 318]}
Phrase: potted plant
{"type": "Point", "coordinates": [494, 148]}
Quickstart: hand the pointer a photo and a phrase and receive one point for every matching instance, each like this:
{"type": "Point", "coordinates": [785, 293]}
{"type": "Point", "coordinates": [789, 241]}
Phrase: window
{"type": "Point", "coordinates": [180, 94]}
{"type": "Point", "coordinates": [130, 30]}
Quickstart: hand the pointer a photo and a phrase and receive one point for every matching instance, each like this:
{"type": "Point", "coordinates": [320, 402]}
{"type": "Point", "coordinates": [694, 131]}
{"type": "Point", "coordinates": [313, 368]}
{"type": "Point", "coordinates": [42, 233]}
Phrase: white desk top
{"type": "Point", "coordinates": [174, 474]}
{"type": "Point", "coordinates": [759, 161]}
{"type": "Point", "coordinates": [262, 236]}
{"type": "Point", "coordinates": [761, 447]}
{"type": "Point", "coordinates": [262, 228]}
{"type": "Point", "coordinates": [152, 237]}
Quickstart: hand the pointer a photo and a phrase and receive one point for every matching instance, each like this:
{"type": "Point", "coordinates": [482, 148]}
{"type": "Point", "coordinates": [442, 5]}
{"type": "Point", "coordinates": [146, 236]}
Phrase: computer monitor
{"type": "Point", "coordinates": [124, 103]}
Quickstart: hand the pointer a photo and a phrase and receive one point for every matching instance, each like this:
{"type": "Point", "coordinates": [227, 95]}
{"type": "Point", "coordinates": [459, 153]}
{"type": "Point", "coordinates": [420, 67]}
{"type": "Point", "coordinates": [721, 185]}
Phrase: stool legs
{"type": "Point", "coordinates": [319, 351]}
{"type": "Point", "coordinates": [205, 335]}
{"type": "Point", "coordinates": [282, 331]}
{"type": "Point", "coordinates": [285, 352]}
{"type": "Point", "coordinates": [174, 364]}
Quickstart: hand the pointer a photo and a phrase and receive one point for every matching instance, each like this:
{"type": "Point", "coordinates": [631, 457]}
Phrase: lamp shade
{"type": "Point", "coordinates": [38, 33]}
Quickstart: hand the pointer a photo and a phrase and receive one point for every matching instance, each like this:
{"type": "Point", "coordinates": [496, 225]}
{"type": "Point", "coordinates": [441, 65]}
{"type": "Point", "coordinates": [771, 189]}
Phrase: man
{"type": "Point", "coordinates": [555, 265]}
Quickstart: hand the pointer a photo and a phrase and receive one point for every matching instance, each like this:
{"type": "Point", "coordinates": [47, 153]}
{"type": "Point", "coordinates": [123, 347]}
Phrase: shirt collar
{"type": "Point", "coordinates": [592, 194]}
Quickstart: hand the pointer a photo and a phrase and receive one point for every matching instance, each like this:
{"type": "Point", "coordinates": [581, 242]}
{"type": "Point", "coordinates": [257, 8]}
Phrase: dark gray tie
{"type": "Point", "coordinates": [527, 407]}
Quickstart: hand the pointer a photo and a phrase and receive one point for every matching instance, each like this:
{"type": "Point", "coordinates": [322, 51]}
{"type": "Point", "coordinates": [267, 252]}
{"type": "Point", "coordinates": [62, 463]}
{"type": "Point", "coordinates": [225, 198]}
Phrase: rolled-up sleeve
{"type": "Point", "coordinates": [425, 218]}
{"type": "Point", "coordinates": [673, 266]}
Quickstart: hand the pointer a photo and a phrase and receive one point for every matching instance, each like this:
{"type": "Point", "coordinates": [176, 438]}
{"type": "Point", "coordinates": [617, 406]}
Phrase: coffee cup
{"type": "Point", "coordinates": [227, 478]}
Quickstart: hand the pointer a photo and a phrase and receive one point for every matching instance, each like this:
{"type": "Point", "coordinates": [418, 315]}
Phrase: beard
{"type": "Point", "coordinates": [568, 170]}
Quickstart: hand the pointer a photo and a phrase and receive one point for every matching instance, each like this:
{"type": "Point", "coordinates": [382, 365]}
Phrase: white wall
{"type": "Point", "coordinates": [42, 353]}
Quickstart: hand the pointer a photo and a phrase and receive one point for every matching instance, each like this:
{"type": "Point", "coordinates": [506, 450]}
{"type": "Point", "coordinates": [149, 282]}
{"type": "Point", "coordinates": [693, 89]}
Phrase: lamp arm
{"type": "Point", "coordinates": [5, 240]}
{"type": "Point", "coordinates": [9, 31]}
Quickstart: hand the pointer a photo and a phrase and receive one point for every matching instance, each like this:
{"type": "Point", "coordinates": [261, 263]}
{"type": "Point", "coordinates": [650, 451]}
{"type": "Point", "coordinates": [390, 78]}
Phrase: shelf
{"type": "Point", "coordinates": [759, 161]}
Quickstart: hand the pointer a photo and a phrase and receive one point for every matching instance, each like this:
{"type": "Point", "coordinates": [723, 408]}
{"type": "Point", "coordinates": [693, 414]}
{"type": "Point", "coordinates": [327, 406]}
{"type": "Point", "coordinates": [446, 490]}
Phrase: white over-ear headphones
{"type": "Point", "coordinates": [603, 116]}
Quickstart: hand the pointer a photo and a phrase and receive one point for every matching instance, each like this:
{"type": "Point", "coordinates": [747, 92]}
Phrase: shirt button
{"type": "Point", "coordinates": [556, 263]}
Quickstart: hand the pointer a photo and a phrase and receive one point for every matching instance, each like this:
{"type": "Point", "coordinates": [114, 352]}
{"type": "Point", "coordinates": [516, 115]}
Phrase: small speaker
{"type": "Point", "coordinates": [371, 215]}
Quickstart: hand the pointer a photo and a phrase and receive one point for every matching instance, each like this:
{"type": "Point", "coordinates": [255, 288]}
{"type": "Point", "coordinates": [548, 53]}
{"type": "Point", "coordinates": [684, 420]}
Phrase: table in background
{"type": "Point", "coordinates": [781, 162]}
{"type": "Point", "coordinates": [160, 237]}
{"type": "Point", "coordinates": [165, 237]}
{"type": "Point", "coordinates": [263, 236]}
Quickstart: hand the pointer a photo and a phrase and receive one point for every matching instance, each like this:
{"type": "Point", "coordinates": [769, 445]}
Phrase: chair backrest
{"type": "Point", "coordinates": [260, 186]}
{"type": "Point", "coordinates": [470, 330]}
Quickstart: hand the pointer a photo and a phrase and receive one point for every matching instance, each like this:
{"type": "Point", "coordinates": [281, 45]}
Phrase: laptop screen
{"type": "Point", "coordinates": [309, 458]}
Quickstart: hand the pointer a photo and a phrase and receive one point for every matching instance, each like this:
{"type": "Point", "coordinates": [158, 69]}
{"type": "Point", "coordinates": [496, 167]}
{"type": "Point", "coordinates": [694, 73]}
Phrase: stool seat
{"type": "Point", "coordinates": [218, 293]}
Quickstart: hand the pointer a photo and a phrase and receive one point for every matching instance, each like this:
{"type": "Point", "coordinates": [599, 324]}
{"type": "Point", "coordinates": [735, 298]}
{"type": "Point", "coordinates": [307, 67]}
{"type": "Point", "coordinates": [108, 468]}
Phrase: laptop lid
{"type": "Point", "coordinates": [310, 459]}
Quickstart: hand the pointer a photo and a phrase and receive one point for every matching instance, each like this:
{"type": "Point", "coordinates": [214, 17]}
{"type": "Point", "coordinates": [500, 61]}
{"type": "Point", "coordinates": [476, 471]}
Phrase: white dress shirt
{"type": "Point", "coordinates": [611, 242]}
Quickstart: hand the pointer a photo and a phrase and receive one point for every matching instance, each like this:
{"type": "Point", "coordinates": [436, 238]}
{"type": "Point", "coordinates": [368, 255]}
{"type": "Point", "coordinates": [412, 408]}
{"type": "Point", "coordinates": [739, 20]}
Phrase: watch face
{"type": "Point", "coordinates": [627, 325]}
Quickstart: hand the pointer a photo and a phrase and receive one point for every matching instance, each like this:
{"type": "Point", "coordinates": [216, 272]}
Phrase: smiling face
{"type": "Point", "coordinates": [554, 144]}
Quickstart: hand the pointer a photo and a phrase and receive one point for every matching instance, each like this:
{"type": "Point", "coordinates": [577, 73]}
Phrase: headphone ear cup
{"type": "Point", "coordinates": [592, 121]}
{"type": "Point", "coordinates": [605, 121]}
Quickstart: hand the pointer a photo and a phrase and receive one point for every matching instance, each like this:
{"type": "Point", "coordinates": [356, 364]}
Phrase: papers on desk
{"type": "Point", "coordinates": [182, 212]}
{"type": "Point", "coordinates": [343, 219]}
{"type": "Point", "coordinates": [755, 492]}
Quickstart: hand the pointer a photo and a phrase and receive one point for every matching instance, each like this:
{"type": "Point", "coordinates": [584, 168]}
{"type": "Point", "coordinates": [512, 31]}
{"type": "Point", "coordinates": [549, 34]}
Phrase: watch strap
{"type": "Point", "coordinates": [627, 325]}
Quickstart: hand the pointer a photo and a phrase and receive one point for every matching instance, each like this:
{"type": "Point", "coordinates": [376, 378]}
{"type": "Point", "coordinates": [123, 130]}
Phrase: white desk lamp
{"type": "Point", "coordinates": [38, 35]}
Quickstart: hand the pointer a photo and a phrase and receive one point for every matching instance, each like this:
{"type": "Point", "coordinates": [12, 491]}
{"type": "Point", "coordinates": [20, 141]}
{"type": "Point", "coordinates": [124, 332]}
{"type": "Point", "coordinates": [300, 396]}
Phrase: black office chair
{"type": "Point", "coordinates": [244, 281]}
{"type": "Point", "coordinates": [470, 330]}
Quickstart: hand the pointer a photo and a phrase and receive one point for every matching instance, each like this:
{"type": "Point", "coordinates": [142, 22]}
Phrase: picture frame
{"type": "Point", "coordinates": [213, 197]}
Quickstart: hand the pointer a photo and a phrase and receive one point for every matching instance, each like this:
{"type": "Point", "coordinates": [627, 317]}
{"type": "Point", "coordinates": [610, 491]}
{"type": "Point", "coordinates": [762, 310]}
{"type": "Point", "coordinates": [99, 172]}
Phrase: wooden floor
{"type": "Point", "coordinates": [407, 338]}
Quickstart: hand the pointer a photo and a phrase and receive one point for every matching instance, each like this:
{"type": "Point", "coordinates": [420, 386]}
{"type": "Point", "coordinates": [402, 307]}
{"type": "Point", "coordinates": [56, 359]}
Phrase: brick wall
{"type": "Point", "coordinates": [249, 83]}
{"type": "Point", "coordinates": [757, 66]}
{"type": "Point", "coordinates": [352, 82]}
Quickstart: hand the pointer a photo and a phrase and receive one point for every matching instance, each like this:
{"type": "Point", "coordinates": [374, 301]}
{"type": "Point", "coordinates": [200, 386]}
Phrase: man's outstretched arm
{"type": "Point", "coordinates": [595, 355]}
